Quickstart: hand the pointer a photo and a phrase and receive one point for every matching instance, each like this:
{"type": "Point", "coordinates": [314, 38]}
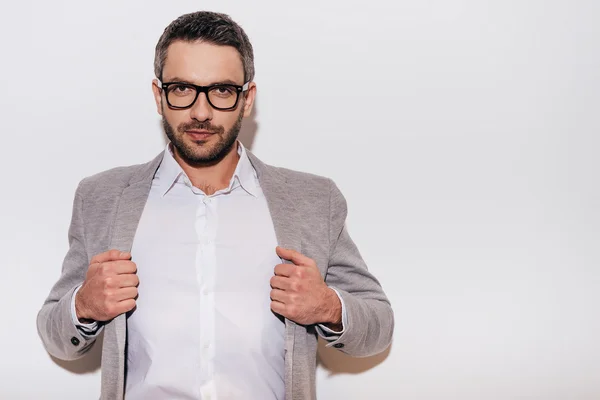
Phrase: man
{"type": "Point", "coordinates": [211, 273]}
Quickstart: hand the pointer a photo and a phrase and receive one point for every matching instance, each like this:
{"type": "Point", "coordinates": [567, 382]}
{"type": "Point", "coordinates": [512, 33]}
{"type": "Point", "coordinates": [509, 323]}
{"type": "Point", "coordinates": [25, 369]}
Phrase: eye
{"type": "Point", "coordinates": [180, 89]}
{"type": "Point", "coordinates": [223, 90]}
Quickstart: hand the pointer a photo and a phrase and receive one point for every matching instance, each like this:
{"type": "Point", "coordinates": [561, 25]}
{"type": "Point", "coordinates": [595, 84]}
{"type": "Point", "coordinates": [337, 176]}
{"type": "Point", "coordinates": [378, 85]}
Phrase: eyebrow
{"type": "Point", "coordinates": [221, 82]}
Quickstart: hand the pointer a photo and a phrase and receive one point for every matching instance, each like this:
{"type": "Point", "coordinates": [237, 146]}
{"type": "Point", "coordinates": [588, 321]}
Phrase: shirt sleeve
{"type": "Point", "coordinates": [91, 329]}
{"type": "Point", "coordinates": [329, 334]}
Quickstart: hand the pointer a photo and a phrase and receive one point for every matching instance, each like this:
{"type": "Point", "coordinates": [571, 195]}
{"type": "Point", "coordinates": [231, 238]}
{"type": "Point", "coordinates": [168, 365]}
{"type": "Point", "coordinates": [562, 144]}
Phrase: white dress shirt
{"type": "Point", "coordinates": [203, 327]}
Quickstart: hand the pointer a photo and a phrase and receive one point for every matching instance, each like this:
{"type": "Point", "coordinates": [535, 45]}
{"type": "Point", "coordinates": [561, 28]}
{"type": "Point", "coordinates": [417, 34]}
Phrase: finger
{"type": "Point", "coordinates": [280, 282]}
{"type": "Point", "coordinates": [116, 267]}
{"type": "Point", "coordinates": [284, 269]}
{"type": "Point", "coordinates": [125, 267]}
{"type": "Point", "coordinates": [110, 255]}
{"type": "Point", "coordinates": [126, 293]}
{"type": "Point", "coordinates": [278, 308]}
{"type": "Point", "coordinates": [293, 256]}
{"type": "Point", "coordinates": [128, 280]}
{"type": "Point", "coordinates": [125, 306]}
{"type": "Point", "coordinates": [278, 295]}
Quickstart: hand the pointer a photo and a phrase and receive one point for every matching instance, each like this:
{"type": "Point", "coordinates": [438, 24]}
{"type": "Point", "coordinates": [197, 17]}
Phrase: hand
{"type": "Point", "coordinates": [300, 294]}
{"type": "Point", "coordinates": [109, 289]}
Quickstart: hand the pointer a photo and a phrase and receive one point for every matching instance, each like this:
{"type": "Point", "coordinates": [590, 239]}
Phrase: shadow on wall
{"type": "Point", "coordinates": [247, 132]}
{"type": "Point", "coordinates": [335, 362]}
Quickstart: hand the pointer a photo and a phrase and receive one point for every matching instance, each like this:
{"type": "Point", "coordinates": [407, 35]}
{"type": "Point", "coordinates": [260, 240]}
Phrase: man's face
{"type": "Point", "coordinates": [201, 134]}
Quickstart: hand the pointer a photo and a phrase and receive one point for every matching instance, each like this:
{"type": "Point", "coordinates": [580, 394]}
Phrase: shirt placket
{"type": "Point", "coordinates": [206, 222]}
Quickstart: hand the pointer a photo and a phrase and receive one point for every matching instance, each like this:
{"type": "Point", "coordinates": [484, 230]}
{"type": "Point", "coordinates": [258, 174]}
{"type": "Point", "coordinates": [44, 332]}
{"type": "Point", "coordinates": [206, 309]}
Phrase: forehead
{"type": "Point", "coordinates": [203, 63]}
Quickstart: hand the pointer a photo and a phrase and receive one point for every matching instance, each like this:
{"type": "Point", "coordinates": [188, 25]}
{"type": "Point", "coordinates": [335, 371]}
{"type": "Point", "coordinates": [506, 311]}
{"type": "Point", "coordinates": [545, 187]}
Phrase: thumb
{"type": "Point", "coordinates": [293, 256]}
{"type": "Point", "coordinates": [111, 255]}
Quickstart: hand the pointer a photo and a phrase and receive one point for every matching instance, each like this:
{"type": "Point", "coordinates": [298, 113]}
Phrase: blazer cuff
{"type": "Point", "coordinates": [348, 337]}
{"type": "Point", "coordinates": [63, 339]}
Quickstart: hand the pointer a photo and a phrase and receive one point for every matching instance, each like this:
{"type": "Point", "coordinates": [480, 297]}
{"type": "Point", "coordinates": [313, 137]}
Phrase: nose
{"type": "Point", "coordinates": [201, 110]}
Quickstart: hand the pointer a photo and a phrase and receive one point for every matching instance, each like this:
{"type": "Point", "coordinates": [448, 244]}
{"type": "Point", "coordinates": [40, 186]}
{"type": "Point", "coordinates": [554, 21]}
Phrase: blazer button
{"type": "Point", "coordinates": [75, 341]}
{"type": "Point", "coordinates": [337, 345]}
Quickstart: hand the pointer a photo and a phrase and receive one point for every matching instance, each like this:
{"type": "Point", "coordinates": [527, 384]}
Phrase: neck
{"type": "Point", "coordinates": [211, 177]}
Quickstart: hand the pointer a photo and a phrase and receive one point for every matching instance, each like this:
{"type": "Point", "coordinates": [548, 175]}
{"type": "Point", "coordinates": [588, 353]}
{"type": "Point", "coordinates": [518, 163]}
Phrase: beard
{"type": "Point", "coordinates": [199, 153]}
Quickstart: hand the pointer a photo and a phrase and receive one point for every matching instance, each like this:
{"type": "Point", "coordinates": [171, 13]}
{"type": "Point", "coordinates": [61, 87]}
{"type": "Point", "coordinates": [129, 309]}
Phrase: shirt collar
{"type": "Point", "coordinates": [244, 173]}
{"type": "Point", "coordinates": [171, 172]}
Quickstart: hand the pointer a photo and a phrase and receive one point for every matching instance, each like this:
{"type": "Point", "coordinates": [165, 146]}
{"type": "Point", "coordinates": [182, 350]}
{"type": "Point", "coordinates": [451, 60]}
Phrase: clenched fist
{"type": "Point", "coordinates": [300, 294]}
{"type": "Point", "coordinates": [109, 289]}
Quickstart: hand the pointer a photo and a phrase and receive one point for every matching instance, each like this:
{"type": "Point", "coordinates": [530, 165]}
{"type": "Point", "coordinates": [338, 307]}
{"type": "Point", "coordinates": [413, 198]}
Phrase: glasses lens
{"type": "Point", "coordinates": [223, 96]}
{"type": "Point", "coordinates": [181, 95]}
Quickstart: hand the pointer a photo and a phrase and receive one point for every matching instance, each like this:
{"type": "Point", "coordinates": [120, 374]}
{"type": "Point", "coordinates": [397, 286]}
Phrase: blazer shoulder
{"type": "Point", "coordinates": [313, 189]}
{"type": "Point", "coordinates": [114, 179]}
{"type": "Point", "coordinates": [304, 180]}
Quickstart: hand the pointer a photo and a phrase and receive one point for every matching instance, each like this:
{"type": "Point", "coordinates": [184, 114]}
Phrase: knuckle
{"type": "Point", "coordinates": [105, 268]}
{"type": "Point", "coordinates": [109, 282]}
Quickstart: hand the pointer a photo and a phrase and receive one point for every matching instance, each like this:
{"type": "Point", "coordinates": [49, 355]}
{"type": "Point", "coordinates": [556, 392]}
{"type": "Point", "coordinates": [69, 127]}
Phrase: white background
{"type": "Point", "coordinates": [464, 135]}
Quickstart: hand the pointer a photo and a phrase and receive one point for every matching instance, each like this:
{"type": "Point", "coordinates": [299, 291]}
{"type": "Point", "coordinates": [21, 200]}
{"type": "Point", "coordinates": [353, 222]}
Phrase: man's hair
{"type": "Point", "coordinates": [208, 27]}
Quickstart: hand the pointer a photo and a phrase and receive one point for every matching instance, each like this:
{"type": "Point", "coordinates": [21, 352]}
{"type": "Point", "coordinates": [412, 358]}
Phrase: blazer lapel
{"type": "Point", "coordinates": [284, 215]}
{"type": "Point", "coordinates": [130, 208]}
{"type": "Point", "coordinates": [281, 206]}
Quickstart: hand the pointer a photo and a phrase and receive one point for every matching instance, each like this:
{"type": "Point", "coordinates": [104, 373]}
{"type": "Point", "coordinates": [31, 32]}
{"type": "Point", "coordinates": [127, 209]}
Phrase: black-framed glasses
{"type": "Point", "coordinates": [221, 96]}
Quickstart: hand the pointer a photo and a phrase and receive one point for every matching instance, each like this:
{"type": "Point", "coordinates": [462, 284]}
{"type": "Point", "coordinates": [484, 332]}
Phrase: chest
{"type": "Point", "coordinates": [197, 251]}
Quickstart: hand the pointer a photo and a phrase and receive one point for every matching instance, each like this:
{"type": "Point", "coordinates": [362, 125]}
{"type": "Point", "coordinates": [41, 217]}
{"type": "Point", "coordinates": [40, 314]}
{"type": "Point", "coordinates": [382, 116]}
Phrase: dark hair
{"type": "Point", "coordinates": [209, 27]}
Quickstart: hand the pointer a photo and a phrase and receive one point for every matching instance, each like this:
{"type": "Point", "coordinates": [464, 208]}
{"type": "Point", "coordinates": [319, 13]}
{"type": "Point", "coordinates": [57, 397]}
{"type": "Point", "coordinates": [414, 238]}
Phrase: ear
{"type": "Point", "coordinates": [157, 91]}
{"type": "Point", "coordinates": [250, 96]}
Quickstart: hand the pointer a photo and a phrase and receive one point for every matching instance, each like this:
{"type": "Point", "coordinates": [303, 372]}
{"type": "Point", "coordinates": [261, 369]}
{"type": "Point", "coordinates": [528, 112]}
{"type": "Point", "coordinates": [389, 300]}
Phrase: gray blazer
{"type": "Point", "coordinates": [309, 215]}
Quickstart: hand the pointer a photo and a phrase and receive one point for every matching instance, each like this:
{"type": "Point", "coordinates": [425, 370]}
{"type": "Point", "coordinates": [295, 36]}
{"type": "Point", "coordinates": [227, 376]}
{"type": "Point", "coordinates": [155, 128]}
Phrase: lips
{"type": "Point", "coordinates": [199, 134]}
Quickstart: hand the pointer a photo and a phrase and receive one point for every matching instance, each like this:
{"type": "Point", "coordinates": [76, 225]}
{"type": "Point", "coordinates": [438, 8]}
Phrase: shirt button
{"type": "Point", "coordinates": [75, 341]}
{"type": "Point", "coordinates": [207, 200]}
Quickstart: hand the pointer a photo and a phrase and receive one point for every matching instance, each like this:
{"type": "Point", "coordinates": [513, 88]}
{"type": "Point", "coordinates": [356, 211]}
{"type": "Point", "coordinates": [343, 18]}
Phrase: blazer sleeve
{"type": "Point", "coordinates": [60, 336]}
{"type": "Point", "coordinates": [370, 319]}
